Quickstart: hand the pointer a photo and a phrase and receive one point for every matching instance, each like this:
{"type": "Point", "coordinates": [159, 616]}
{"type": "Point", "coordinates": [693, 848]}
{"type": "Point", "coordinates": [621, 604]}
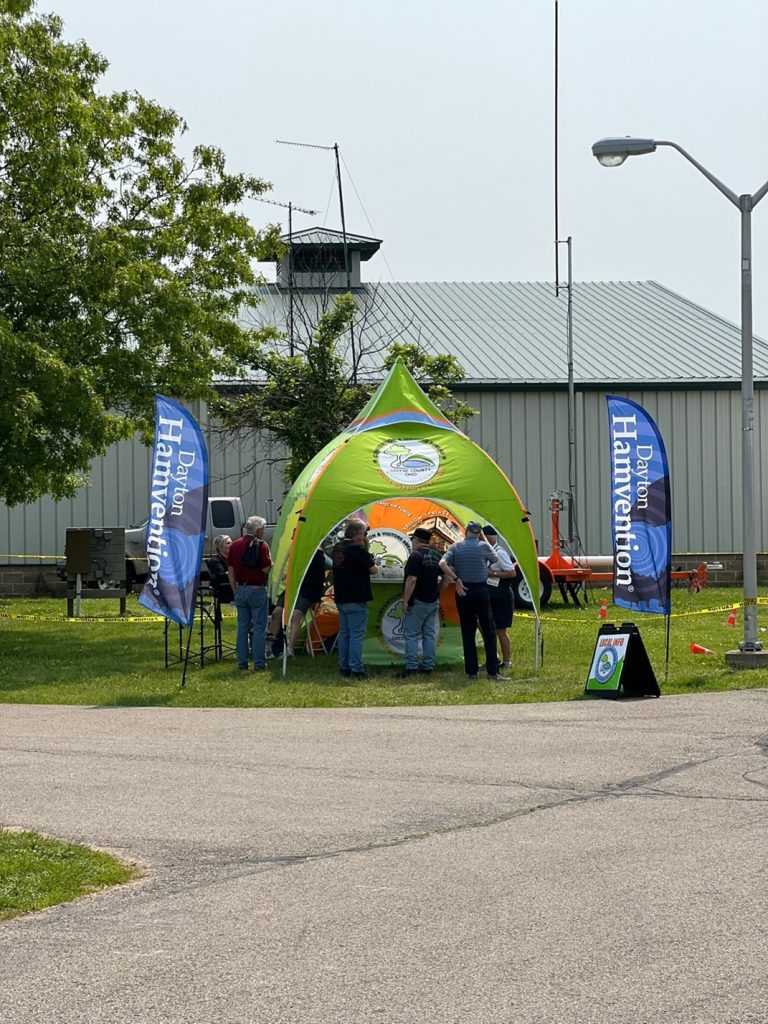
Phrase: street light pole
{"type": "Point", "coordinates": [611, 153]}
{"type": "Point", "coordinates": [750, 642]}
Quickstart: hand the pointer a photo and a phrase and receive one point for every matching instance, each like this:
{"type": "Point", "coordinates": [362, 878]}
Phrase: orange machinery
{"type": "Point", "coordinates": [569, 571]}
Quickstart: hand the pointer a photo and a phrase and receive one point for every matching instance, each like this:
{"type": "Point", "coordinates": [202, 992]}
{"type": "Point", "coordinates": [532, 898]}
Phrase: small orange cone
{"type": "Point", "coordinates": [731, 621]}
{"type": "Point", "coordinates": [698, 649]}
{"type": "Point", "coordinates": [603, 609]}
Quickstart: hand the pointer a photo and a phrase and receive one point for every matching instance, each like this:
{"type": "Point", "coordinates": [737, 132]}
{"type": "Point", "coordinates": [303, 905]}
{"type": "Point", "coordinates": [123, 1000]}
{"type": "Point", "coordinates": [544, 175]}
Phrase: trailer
{"type": "Point", "coordinates": [573, 574]}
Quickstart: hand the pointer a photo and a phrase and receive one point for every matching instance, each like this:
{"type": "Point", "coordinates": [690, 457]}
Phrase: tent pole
{"type": "Point", "coordinates": [285, 642]}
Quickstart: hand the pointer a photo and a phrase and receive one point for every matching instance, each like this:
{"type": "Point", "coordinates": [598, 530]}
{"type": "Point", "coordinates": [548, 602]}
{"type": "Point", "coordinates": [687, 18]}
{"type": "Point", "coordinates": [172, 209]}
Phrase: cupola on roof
{"type": "Point", "coordinates": [315, 258]}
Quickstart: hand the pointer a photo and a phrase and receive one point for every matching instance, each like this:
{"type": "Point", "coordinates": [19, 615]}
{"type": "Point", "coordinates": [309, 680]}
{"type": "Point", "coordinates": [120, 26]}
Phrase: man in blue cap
{"type": "Point", "coordinates": [467, 562]}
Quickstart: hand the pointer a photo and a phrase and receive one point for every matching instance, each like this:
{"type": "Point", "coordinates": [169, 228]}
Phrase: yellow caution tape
{"type": "Point", "coordinates": [92, 618]}
{"type": "Point", "coordinates": [80, 618]}
{"type": "Point", "coordinates": [674, 615]}
{"type": "Point", "coordinates": [61, 557]}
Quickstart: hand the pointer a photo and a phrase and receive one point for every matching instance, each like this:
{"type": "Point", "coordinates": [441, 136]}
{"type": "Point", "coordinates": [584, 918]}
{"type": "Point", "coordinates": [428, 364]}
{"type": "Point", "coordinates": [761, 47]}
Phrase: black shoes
{"type": "Point", "coordinates": [360, 675]}
{"type": "Point", "coordinates": [346, 672]}
{"type": "Point", "coordinates": [406, 673]}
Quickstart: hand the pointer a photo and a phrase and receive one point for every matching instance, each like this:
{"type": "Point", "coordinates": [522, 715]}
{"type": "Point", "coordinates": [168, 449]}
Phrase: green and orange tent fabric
{"type": "Point", "coordinates": [400, 446]}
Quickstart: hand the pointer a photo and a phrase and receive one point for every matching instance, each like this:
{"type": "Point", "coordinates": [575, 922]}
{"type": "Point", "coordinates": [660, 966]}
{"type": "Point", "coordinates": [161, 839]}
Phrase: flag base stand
{"type": "Point", "coordinates": [620, 664]}
{"type": "Point", "coordinates": [179, 652]}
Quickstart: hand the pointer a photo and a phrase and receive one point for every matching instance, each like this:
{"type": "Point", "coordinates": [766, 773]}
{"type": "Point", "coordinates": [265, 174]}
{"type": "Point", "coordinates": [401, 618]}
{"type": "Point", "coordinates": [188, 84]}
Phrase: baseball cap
{"type": "Point", "coordinates": [422, 534]}
{"type": "Point", "coordinates": [474, 527]}
{"type": "Point", "coordinates": [490, 530]}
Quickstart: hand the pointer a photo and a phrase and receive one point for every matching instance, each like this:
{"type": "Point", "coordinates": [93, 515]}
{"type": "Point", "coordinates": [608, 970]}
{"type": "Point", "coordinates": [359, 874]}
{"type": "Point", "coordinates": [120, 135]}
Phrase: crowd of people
{"type": "Point", "coordinates": [478, 565]}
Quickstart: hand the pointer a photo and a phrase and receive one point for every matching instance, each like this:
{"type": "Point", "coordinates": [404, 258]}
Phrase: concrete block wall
{"type": "Point", "coordinates": [30, 581]}
{"type": "Point", "coordinates": [731, 573]}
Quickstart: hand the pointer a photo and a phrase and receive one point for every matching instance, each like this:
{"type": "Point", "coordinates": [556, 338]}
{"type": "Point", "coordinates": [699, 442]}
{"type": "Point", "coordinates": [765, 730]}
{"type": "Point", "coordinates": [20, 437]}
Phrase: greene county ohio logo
{"type": "Point", "coordinates": [391, 627]}
{"type": "Point", "coordinates": [606, 663]}
{"type": "Point", "coordinates": [409, 463]}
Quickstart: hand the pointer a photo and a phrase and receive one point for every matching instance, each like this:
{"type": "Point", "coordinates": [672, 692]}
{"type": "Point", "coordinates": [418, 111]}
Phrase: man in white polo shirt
{"type": "Point", "coordinates": [501, 595]}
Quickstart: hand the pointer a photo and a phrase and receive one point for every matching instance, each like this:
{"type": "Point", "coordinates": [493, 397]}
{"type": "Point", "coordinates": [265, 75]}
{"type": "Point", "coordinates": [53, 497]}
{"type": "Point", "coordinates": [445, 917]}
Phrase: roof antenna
{"type": "Point", "coordinates": [569, 316]}
{"type": "Point", "coordinates": [290, 207]}
{"type": "Point", "coordinates": [335, 148]}
{"type": "Point", "coordinates": [557, 216]}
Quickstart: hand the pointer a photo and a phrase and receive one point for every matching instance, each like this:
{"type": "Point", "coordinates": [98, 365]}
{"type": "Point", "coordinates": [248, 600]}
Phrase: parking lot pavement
{"type": "Point", "coordinates": [586, 862]}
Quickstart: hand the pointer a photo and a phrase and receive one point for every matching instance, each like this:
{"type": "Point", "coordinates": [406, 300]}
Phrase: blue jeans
{"type": "Point", "coordinates": [252, 607]}
{"type": "Point", "coordinates": [353, 621]}
{"type": "Point", "coordinates": [421, 623]}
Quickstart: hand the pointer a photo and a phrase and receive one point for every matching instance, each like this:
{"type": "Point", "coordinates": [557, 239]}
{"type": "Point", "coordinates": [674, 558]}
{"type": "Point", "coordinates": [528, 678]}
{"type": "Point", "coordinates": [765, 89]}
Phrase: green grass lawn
{"type": "Point", "coordinates": [47, 659]}
{"type": "Point", "coordinates": [37, 871]}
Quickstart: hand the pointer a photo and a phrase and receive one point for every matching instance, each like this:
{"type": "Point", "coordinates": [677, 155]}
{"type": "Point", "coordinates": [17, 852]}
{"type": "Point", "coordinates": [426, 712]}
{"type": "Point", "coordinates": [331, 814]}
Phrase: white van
{"type": "Point", "coordinates": [225, 515]}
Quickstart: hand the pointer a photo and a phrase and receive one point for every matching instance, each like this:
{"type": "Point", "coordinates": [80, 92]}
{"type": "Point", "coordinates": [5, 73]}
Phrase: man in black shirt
{"type": "Point", "coordinates": [421, 593]}
{"type": "Point", "coordinates": [353, 567]}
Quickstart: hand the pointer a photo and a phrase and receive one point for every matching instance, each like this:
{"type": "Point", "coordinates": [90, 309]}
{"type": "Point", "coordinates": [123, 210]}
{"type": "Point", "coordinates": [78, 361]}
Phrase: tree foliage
{"type": "Point", "coordinates": [306, 400]}
{"type": "Point", "coordinates": [124, 268]}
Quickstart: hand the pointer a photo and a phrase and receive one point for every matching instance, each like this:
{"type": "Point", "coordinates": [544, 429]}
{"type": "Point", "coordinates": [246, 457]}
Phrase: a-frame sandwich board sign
{"type": "Point", "coordinates": [620, 664]}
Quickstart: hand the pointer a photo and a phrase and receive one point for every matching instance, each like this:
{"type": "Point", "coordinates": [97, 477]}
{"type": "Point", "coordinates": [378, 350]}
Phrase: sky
{"type": "Point", "coordinates": [443, 112]}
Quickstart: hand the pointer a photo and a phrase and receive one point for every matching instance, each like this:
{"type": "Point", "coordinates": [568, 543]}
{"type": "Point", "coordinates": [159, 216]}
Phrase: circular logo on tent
{"type": "Point", "coordinates": [391, 625]}
{"type": "Point", "coordinates": [606, 663]}
{"type": "Point", "coordinates": [409, 463]}
{"type": "Point", "coordinates": [391, 549]}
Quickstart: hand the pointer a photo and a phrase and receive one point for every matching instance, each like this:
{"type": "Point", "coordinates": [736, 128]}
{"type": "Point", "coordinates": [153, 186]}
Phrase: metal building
{"type": "Point", "coordinates": [678, 360]}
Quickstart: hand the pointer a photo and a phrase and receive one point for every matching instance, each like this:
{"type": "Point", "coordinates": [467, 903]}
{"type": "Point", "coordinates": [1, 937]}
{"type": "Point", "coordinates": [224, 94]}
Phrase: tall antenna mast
{"type": "Point", "coordinates": [569, 316]}
{"type": "Point", "coordinates": [290, 208]}
{"type": "Point", "coordinates": [557, 213]}
{"type": "Point", "coordinates": [347, 269]}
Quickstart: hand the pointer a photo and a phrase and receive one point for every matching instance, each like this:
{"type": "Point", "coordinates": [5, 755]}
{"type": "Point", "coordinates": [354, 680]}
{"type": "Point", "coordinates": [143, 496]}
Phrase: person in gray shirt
{"type": "Point", "coordinates": [467, 562]}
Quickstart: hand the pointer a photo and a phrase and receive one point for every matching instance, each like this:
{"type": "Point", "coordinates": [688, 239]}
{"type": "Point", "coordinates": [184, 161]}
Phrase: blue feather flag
{"type": "Point", "coordinates": [177, 513]}
{"type": "Point", "coordinates": [641, 510]}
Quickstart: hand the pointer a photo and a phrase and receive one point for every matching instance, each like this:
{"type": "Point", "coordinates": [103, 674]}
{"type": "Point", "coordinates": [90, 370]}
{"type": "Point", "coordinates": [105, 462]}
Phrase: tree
{"type": "Point", "coordinates": [124, 269]}
{"type": "Point", "coordinates": [305, 400]}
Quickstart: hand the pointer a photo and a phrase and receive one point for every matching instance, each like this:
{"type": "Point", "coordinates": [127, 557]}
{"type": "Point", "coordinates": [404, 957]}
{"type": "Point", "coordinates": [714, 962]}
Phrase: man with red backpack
{"type": "Point", "coordinates": [248, 564]}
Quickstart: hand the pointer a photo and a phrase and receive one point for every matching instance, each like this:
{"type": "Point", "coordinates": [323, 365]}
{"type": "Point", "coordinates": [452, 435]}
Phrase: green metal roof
{"type": "Point", "coordinates": [514, 333]}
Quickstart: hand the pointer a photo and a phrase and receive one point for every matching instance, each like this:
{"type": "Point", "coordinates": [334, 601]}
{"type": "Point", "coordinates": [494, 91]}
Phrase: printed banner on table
{"type": "Point", "coordinates": [641, 509]}
{"type": "Point", "coordinates": [177, 513]}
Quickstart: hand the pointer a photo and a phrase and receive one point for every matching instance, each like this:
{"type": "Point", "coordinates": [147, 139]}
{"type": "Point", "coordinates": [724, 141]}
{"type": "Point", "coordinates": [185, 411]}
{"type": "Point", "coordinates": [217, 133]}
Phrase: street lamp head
{"type": "Point", "coordinates": [612, 152]}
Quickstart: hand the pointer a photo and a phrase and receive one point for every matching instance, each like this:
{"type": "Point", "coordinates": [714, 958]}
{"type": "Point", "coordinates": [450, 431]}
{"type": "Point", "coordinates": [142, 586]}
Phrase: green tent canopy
{"type": "Point", "coordinates": [400, 446]}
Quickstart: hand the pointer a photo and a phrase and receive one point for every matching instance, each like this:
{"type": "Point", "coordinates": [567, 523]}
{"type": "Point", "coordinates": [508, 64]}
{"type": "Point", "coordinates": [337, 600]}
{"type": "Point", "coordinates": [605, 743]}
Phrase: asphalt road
{"type": "Point", "coordinates": [590, 862]}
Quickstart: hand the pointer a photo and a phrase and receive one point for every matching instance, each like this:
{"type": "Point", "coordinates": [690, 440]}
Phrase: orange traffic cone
{"type": "Point", "coordinates": [731, 621]}
{"type": "Point", "coordinates": [698, 649]}
{"type": "Point", "coordinates": [603, 609]}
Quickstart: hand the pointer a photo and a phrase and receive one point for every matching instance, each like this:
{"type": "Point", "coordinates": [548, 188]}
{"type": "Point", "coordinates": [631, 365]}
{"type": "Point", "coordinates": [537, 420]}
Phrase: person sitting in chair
{"type": "Point", "coordinates": [310, 592]}
{"type": "Point", "coordinates": [217, 569]}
